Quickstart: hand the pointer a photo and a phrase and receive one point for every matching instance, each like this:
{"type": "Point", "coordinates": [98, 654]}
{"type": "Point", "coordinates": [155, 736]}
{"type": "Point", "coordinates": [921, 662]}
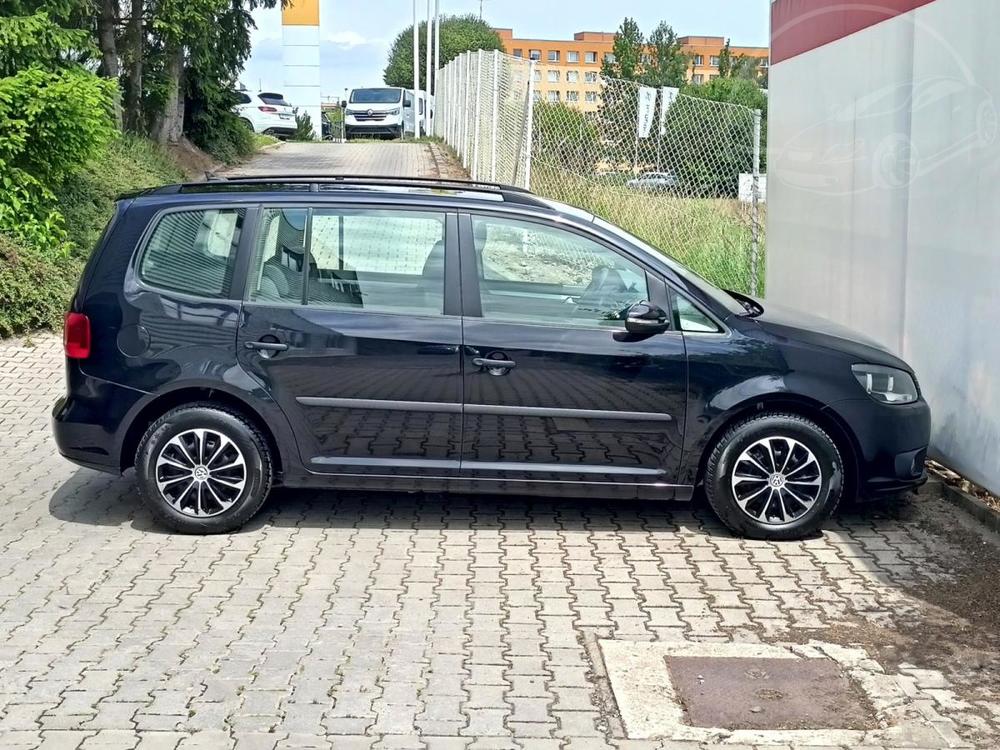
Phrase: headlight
{"type": "Point", "coordinates": [350, 112]}
{"type": "Point", "coordinates": [394, 111]}
{"type": "Point", "coordinates": [886, 384]}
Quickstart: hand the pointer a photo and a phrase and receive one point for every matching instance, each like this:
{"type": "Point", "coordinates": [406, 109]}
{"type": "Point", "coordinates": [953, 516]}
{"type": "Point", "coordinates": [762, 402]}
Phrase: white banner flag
{"type": "Point", "coordinates": [647, 108]}
{"type": "Point", "coordinates": [667, 96]}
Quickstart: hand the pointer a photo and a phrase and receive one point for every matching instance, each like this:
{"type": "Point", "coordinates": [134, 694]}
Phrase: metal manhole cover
{"type": "Point", "coordinates": [743, 693]}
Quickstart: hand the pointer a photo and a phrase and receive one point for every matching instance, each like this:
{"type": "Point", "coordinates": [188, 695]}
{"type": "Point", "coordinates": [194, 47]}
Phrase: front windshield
{"type": "Point", "coordinates": [702, 283]}
{"type": "Point", "coordinates": [375, 96]}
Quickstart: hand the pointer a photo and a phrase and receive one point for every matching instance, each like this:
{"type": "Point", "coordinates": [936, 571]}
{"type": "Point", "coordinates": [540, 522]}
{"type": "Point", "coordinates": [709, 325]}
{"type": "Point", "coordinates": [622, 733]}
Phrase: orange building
{"type": "Point", "coordinates": [568, 70]}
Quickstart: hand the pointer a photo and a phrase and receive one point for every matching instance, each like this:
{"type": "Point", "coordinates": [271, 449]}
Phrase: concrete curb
{"type": "Point", "coordinates": [972, 505]}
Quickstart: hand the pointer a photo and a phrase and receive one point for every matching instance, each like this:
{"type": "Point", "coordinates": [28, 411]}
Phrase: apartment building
{"type": "Point", "coordinates": [568, 70]}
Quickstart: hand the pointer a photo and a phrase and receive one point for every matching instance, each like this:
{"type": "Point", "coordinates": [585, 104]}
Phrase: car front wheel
{"type": "Point", "coordinates": [774, 476]}
{"type": "Point", "coordinates": [203, 469]}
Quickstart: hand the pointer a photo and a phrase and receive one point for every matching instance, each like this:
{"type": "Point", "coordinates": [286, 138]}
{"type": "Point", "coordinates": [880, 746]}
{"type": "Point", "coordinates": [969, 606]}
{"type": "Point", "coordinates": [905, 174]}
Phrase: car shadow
{"type": "Point", "coordinates": [96, 499]}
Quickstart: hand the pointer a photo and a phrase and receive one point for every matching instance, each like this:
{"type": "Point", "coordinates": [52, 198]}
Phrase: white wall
{"type": "Point", "coordinates": [901, 243]}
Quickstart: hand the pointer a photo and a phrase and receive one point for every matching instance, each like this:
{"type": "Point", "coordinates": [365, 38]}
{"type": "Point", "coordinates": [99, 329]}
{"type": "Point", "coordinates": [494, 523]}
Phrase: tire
{"type": "Point", "coordinates": [231, 492]}
{"type": "Point", "coordinates": [790, 510]}
{"type": "Point", "coordinates": [248, 123]}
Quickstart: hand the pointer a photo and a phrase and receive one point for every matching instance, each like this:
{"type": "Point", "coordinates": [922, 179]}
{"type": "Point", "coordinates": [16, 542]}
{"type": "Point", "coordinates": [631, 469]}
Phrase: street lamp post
{"type": "Point", "coordinates": [416, 71]}
{"type": "Point", "coordinates": [427, 79]}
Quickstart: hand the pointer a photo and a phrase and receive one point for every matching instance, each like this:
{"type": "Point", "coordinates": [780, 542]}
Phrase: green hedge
{"type": "Point", "coordinates": [34, 287]}
{"type": "Point", "coordinates": [37, 280]}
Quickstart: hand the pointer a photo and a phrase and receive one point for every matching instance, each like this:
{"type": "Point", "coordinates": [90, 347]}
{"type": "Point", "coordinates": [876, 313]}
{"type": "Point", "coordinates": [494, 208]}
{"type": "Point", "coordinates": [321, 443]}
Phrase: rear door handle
{"type": "Point", "coordinates": [267, 346]}
{"type": "Point", "coordinates": [504, 364]}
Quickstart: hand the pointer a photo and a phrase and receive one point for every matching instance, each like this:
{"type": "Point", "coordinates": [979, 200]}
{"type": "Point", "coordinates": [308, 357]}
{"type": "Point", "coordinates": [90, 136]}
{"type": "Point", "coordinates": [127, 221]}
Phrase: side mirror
{"type": "Point", "coordinates": [343, 103]}
{"type": "Point", "coordinates": [646, 319]}
{"type": "Point", "coordinates": [407, 103]}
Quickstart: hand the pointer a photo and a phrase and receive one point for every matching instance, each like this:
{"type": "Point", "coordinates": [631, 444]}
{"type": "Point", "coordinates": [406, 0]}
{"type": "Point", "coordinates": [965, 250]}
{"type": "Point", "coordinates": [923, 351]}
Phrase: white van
{"type": "Point", "coordinates": [388, 111]}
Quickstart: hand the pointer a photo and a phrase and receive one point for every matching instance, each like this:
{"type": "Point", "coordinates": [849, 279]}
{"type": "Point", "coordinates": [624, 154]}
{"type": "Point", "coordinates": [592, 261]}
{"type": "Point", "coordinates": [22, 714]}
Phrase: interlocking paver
{"type": "Point", "coordinates": [346, 620]}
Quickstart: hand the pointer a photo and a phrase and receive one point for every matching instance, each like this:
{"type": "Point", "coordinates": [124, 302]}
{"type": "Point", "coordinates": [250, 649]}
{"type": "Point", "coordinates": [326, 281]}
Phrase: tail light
{"type": "Point", "coordinates": [268, 109]}
{"type": "Point", "coordinates": [76, 336]}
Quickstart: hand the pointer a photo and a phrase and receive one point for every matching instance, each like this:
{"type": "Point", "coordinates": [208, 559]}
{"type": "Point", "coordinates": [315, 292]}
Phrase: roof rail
{"type": "Point", "coordinates": [368, 179]}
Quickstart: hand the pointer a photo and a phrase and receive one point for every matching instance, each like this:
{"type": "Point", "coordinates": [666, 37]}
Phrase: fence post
{"type": "Point", "coordinates": [465, 111]}
{"type": "Point", "coordinates": [496, 115]}
{"type": "Point", "coordinates": [755, 207]}
{"type": "Point", "coordinates": [479, 107]}
{"type": "Point", "coordinates": [529, 124]}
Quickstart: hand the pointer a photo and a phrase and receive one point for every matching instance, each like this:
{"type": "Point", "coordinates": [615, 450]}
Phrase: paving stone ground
{"type": "Point", "coordinates": [346, 620]}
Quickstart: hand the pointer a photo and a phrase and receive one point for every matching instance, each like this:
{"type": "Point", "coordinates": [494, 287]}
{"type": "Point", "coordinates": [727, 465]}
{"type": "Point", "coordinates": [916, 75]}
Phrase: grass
{"type": "Point", "coordinates": [87, 199]}
{"type": "Point", "coordinates": [260, 141]}
{"type": "Point", "coordinates": [711, 236]}
{"type": "Point", "coordinates": [37, 283]}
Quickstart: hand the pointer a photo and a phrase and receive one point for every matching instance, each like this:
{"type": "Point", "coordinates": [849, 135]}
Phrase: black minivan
{"type": "Point", "coordinates": [419, 335]}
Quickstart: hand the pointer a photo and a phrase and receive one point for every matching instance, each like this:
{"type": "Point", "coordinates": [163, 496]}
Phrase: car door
{"type": "Point", "coordinates": [347, 325]}
{"type": "Point", "coordinates": [571, 397]}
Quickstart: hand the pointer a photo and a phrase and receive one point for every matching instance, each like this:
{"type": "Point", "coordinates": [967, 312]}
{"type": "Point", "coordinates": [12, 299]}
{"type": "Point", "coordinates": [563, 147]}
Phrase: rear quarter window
{"type": "Point", "coordinates": [193, 252]}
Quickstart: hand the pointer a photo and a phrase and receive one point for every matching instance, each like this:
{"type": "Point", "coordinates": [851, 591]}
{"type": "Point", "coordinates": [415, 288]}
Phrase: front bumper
{"type": "Point", "coordinates": [374, 128]}
{"type": "Point", "coordinates": [891, 443]}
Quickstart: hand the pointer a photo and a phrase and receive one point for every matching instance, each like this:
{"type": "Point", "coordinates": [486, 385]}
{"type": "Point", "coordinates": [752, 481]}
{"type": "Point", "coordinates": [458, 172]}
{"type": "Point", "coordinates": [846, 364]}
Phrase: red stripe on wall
{"type": "Point", "coordinates": [798, 26]}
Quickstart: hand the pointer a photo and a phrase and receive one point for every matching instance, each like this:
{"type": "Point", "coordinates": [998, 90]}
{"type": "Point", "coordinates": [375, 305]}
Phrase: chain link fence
{"type": "Point", "coordinates": [665, 166]}
{"type": "Point", "coordinates": [483, 110]}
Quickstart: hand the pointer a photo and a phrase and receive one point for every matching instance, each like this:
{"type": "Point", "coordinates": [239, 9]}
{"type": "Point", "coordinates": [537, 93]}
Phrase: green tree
{"type": "Point", "coordinates": [667, 64]}
{"type": "Point", "coordinates": [725, 61]}
{"type": "Point", "coordinates": [458, 34]}
{"type": "Point", "coordinates": [54, 116]}
{"type": "Point", "coordinates": [627, 52]}
{"type": "Point", "coordinates": [565, 136]}
{"type": "Point", "coordinates": [709, 141]}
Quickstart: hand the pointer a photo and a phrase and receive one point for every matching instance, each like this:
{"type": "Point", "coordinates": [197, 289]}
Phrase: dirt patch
{"type": "Point", "coordinates": [447, 164]}
{"type": "Point", "coordinates": [192, 160]}
{"type": "Point", "coordinates": [953, 623]}
{"type": "Point", "coordinates": [772, 694]}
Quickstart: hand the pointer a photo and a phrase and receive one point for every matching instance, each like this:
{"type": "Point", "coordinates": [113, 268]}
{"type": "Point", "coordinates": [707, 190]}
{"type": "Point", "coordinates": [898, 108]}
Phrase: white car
{"type": "Point", "coordinates": [266, 113]}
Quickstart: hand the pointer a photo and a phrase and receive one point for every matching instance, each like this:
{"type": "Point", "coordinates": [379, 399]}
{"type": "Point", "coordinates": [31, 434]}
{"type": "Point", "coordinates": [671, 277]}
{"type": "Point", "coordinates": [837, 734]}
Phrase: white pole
{"type": "Point", "coordinates": [479, 101]}
{"type": "Point", "coordinates": [416, 71]}
{"type": "Point", "coordinates": [437, 36]}
{"type": "Point", "coordinates": [529, 124]}
{"type": "Point", "coordinates": [496, 115]}
{"type": "Point", "coordinates": [427, 80]}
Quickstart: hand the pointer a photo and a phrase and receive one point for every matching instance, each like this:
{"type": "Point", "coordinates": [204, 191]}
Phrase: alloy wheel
{"type": "Point", "coordinates": [776, 480]}
{"type": "Point", "coordinates": [200, 473]}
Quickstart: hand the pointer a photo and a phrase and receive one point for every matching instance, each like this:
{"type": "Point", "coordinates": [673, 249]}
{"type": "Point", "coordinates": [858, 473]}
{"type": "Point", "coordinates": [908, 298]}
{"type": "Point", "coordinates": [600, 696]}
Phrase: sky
{"type": "Point", "coordinates": [356, 34]}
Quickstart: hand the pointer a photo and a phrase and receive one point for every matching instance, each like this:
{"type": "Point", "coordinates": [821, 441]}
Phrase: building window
{"type": "Point", "coordinates": [535, 54]}
{"type": "Point", "coordinates": [553, 96]}
{"type": "Point", "coordinates": [553, 76]}
{"type": "Point", "coordinates": [590, 76]}
{"type": "Point", "coordinates": [572, 76]}
{"type": "Point", "coordinates": [699, 60]}
{"type": "Point", "coordinates": [573, 57]}
{"type": "Point", "coordinates": [590, 57]}
{"type": "Point", "coordinates": [554, 55]}
{"type": "Point", "coordinates": [537, 95]}
{"type": "Point", "coordinates": [572, 96]}
{"type": "Point", "coordinates": [538, 75]}
{"type": "Point", "coordinates": [591, 96]}
{"type": "Point", "coordinates": [609, 58]}
{"type": "Point", "coordinates": [697, 78]}
{"type": "Point", "coordinates": [519, 53]}
{"type": "Point", "coordinates": [714, 60]}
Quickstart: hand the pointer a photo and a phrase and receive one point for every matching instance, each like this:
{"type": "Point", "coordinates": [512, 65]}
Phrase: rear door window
{"type": "Point", "coordinates": [193, 252]}
{"type": "Point", "coordinates": [360, 259]}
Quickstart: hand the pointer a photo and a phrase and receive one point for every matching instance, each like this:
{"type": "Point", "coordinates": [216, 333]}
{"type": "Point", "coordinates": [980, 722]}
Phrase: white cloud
{"type": "Point", "coordinates": [348, 39]}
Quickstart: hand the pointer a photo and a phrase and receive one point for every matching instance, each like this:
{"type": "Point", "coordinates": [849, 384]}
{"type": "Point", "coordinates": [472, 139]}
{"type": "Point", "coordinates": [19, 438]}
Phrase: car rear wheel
{"type": "Point", "coordinates": [202, 469]}
{"type": "Point", "coordinates": [774, 476]}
